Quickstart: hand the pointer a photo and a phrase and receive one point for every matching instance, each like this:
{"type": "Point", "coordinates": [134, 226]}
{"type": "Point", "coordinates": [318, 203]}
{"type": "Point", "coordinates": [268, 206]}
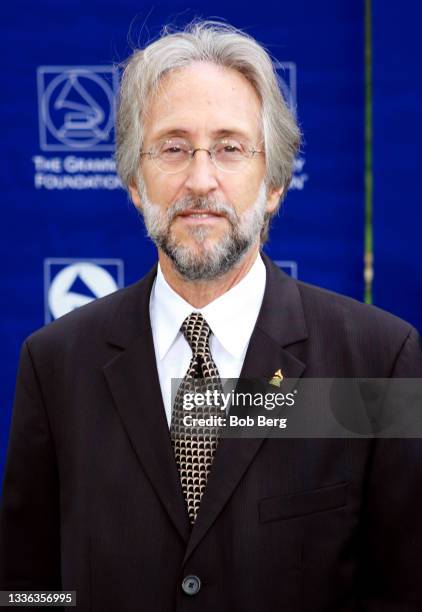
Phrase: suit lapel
{"type": "Point", "coordinates": [133, 381]}
{"type": "Point", "coordinates": [280, 323]}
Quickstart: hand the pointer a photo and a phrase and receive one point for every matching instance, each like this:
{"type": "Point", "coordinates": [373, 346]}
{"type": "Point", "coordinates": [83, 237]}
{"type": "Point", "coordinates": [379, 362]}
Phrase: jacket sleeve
{"type": "Point", "coordinates": [29, 511]}
{"type": "Point", "coordinates": [390, 576]}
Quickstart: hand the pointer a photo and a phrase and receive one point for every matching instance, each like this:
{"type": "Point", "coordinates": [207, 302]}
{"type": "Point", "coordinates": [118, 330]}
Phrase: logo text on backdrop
{"type": "Point", "coordinates": [287, 78]}
{"type": "Point", "coordinates": [70, 283]}
{"type": "Point", "coordinates": [76, 109]}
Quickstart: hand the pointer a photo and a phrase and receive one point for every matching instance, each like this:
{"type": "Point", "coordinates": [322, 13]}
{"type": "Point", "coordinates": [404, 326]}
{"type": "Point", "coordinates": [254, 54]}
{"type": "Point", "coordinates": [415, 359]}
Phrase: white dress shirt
{"type": "Point", "coordinates": [231, 318]}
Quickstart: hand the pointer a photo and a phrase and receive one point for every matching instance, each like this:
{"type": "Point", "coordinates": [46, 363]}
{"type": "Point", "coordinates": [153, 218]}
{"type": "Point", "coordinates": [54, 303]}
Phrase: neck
{"type": "Point", "coordinates": [200, 293]}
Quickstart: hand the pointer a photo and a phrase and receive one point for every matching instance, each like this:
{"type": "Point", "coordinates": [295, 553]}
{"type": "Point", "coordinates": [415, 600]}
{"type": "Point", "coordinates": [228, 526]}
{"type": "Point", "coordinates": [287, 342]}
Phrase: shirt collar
{"type": "Point", "coordinates": [231, 317]}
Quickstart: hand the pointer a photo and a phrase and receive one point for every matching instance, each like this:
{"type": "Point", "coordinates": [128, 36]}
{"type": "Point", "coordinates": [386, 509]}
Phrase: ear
{"type": "Point", "coordinates": [135, 196]}
{"type": "Point", "coordinates": [273, 198]}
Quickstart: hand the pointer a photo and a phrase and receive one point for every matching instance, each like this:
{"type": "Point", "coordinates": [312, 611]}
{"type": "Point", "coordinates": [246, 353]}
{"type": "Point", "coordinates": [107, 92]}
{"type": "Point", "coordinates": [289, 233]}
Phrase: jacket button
{"type": "Point", "coordinates": [191, 585]}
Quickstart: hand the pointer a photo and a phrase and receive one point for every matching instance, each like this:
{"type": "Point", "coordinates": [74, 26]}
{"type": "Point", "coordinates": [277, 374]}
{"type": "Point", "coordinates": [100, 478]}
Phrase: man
{"type": "Point", "coordinates": [102, 493]}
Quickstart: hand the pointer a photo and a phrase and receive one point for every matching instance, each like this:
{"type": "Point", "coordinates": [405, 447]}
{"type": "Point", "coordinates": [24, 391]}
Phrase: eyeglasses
{"type": "Point", "coordinates": [175, 154]}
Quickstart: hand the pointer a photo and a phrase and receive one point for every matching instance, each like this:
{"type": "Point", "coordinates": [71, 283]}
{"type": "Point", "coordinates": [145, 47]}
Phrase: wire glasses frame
{"type": "Point", "coordinates": [174, 155]}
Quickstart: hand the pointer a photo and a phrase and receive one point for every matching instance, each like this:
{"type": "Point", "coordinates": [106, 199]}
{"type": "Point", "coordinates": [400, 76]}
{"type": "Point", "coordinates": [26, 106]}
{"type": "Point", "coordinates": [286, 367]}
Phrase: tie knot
{"type": "Point", "coordinates": [197, 332]}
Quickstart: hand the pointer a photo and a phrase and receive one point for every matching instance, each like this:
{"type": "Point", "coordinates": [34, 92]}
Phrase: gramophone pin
{"type": "Point", "coordinates": [276, 379]}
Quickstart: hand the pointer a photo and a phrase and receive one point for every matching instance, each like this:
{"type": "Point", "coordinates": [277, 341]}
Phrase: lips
{"type": "Point", "coordinates": [195, 216]}
{"type": "Point", "coordinates": [199, 214]}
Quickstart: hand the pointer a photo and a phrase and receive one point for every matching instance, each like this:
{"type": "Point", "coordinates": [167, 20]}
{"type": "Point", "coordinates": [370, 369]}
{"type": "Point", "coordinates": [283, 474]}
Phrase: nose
{"type": "Point", "coordinates": [201, 176]}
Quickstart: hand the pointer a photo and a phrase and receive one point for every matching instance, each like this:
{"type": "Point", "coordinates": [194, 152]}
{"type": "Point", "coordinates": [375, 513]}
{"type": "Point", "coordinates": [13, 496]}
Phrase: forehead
{"type": "Point", "coordinates": [203, 98]}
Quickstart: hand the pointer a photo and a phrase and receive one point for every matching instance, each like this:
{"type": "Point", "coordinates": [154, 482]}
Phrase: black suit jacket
{"type": "Point", "coordinates": [92, 500]}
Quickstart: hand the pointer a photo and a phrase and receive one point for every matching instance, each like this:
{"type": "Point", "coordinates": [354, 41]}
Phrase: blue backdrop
{"type": "Point", "coordinates": [69, 232]}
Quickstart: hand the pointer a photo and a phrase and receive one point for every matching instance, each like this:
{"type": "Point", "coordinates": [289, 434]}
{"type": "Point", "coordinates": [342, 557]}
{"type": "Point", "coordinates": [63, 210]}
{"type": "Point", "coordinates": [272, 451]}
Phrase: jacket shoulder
{"type": "Point", "coordinates": [336, 309]}
{"type": "Point", "coordinates": [90, 321]}
{"type": "Point", "coordinates": [360, 338]}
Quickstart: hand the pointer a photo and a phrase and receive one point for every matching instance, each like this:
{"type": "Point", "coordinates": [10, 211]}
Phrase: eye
{"type": "Point", "coordinates": [173, 149]}
{"type": "Point", "coordinates": [229, 146]}
{"type": "Point", "coordinates": [229, 149]}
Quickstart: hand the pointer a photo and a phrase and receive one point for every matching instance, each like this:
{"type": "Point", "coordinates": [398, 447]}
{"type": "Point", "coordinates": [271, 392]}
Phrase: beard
{"type": "Point", "coordinates": [207, 260]}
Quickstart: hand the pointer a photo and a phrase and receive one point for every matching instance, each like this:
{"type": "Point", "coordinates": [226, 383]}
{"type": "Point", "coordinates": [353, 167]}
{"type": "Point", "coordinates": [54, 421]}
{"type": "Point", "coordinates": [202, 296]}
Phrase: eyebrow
{"type": "Point", "coordinates": [220, 133]}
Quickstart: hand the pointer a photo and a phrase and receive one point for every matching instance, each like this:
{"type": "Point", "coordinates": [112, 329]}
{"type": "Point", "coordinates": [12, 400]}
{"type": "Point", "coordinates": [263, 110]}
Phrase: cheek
{"type": "Point", "coordinates": [252, 179]}
{"type": "Point", "coordinates": [244, 193]}
{"type": "Point", "coordinates": [161, 188]}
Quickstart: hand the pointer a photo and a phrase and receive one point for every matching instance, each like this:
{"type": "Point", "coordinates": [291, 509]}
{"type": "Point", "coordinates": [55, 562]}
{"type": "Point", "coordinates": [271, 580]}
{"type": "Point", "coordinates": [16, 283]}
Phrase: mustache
{"type": "Point", "coordinates": [202, 204]}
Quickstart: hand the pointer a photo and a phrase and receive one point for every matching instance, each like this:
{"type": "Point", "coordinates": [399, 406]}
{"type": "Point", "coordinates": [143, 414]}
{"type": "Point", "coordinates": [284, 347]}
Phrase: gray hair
{"type": "Point", "coordinates": [222, 45]}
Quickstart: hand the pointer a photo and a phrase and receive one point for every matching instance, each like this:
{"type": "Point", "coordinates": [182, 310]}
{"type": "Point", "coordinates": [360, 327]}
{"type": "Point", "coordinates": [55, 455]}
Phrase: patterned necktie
{"type": "Point", "coordinates": [194, 447]}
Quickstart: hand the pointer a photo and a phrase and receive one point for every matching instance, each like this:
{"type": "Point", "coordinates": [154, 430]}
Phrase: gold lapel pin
{"type": "Point", "coordinates": [276, 379]}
